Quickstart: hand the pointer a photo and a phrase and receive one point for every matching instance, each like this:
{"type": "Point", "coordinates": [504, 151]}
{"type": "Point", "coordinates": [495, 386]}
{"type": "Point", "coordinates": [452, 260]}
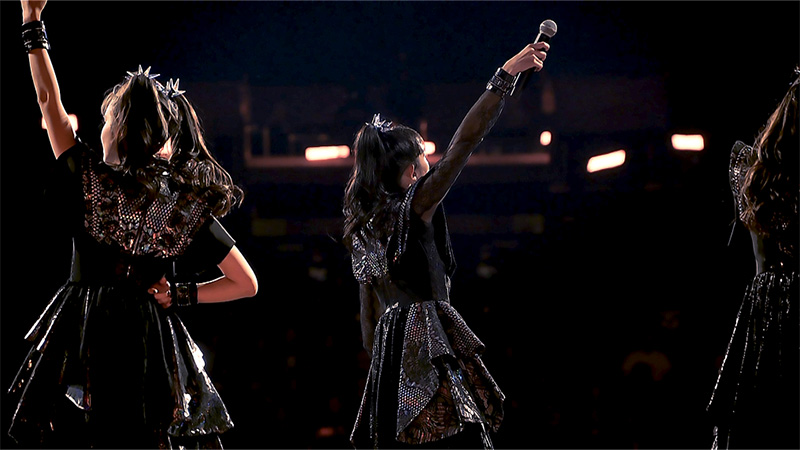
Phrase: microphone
{"type": "Point", "coordinates": [547, 30]}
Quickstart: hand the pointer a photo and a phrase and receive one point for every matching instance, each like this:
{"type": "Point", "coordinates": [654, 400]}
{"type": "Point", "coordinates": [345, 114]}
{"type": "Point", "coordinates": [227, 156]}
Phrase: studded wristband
{"type": "Point", "coordinates": [184, 294]}
{"type": "Point", "coordinates": [34, 35]}
{"type": "Point", "coordinates": [501, 83]}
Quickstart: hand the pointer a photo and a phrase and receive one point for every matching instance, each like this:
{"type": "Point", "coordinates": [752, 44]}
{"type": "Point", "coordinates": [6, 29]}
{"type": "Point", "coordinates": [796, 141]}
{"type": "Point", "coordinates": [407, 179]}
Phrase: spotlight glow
{"type": "Point", "coordinates": [429, 147]}
{"type": "Point", "coordinates": [688, 142]}
{"type": "Point", "coordinates": [327, 152]}
{"type": "Point", "coordinates": [606, 161]}
{"type": "Point", "coordinates": [545, 138]}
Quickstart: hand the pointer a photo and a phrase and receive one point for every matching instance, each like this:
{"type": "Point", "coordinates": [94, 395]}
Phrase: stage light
{"type": "Point", "coordinates": [429, 147]}
{"type": "Point", "coordinates": [73, 120]}
{"type": "Point", "coordinates": [327, 152]}
{"type": "Point", "coordinates": [606, 161]}
{"type": "Point", "coordinates": [688, 142]}
{"type": "Point", "coordinates": [545, 138]}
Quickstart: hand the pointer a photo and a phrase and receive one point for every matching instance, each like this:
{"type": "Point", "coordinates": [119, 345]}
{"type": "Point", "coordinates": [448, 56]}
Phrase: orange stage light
{"type": "Point", "coordinates": [327, 152]}
{"type": "Point", "coordinates": [688, 142]}
{"type": "Point", "coordinates": [606, 161]}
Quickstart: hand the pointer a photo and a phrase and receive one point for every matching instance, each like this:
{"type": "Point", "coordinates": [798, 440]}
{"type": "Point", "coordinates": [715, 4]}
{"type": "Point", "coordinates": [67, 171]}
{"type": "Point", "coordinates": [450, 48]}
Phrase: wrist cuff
{"type": "Point", "coordinates": [184, 294]}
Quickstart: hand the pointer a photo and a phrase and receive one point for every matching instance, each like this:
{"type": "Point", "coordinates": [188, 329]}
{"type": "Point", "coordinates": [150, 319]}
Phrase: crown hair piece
{"type": "Point", "coordinates": [381, 124]}
{"type": "Point", "coordinates": [144, 73]}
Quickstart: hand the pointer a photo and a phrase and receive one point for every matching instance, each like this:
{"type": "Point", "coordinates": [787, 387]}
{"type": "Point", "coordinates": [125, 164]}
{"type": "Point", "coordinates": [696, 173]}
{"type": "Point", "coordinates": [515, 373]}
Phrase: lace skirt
{"type": "Point", "coordinates": [110, 368]}
{"type": "Point", "coordinates": [426, 381]}
{"type": "Point", "coordinates": [755, 402]}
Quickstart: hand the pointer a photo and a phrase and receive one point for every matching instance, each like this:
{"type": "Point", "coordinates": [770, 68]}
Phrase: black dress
{"type": "Point", "coordinates": [108, 367]}
{"type": "Point", "coordinates": [756, 402]}
{"type": "Point", "coordinates": [427, 384]}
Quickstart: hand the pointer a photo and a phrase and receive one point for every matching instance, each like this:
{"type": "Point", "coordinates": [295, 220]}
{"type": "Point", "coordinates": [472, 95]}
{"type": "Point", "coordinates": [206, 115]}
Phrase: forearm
{"type": "Point", "coordinates": [45, 83]}
{"type": "Point", "coordinates": [48, 95]}
{"type": "Point", "coordinates": [223, 290]}
{"type": "Point", "coordinates": [238, 281]}
{"type": "Point", "coordinates": [473, 128]}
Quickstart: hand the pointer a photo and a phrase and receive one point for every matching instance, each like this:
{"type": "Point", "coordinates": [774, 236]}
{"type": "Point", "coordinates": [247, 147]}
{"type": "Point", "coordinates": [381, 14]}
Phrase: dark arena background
{"type": "Point", "coordinates": [605, 299]}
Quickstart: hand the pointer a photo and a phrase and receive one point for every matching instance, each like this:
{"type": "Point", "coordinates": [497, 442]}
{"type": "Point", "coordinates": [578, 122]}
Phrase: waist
{"type": "Point", "coordinates": [125, 272]}
{"type": "Point", "coordinates": [776, 265]}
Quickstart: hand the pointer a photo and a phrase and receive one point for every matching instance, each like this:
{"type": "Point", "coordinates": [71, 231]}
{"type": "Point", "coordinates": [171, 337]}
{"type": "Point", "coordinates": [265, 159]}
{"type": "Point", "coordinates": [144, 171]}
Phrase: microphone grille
{"type": "Point", "coordinates": [548, 28]}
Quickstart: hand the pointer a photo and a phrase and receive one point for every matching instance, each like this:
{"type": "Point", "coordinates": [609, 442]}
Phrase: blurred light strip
{"type": "Point", "coordinates": [73, 120]}
{"type": "Point", "coordinates": [429, 148]}
{"type": "Point", "coordinates": [688, 142]}
{"type": "Point", "coordinates": [606, 161]}
{"type": "Point", "coordinates": [327, 152]}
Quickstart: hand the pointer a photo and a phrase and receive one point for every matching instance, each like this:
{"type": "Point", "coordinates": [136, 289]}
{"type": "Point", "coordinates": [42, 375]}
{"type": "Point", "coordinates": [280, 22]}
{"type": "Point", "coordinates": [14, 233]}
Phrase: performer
{"type": "Point", "coordinates": [111, 364]}
{"type": "Point", "coordinates": [755, 402]}
{"type": "Point", "coordinates": [427, 384]}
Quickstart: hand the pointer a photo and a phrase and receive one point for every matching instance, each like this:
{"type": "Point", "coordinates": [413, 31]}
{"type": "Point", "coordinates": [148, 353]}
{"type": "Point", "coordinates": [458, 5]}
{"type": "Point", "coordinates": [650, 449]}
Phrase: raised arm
{"type": "Point", "coordinates": [476, 124]}
{"type": "Point", "coordinates": [59, 129]}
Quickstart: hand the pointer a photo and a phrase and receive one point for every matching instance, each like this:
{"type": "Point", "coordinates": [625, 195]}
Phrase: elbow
{"type": "Point", "coordinates": [43, 97]}
{"type": "Point", "coordinates": [47, 101]}
{"type": "Point", "coordinates": [251, 287]}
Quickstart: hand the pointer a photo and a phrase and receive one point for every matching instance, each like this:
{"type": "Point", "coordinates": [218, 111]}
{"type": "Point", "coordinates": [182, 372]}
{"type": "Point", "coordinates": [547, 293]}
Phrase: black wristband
{"type": "Point", "coordinates": [32, 24]}
{"type": "Point", "coordinates": [502, 82]}
{"type": "Point", "coordinates": [184, 294]}
{"type": "Point", "coordinates": [34, 35]}
{"type": "Point", "coordinates": [502, 74]}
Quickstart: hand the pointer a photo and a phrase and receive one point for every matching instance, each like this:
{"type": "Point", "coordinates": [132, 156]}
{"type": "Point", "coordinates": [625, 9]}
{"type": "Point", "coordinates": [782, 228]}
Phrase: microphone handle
{"type": "Point", "coordinates": [522, 77]}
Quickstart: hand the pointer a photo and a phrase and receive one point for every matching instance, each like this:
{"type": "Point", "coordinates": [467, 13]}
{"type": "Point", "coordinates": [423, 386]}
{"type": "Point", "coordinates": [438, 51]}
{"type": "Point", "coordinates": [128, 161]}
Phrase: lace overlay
{"type": "Point", "coordinates": [162, 229]}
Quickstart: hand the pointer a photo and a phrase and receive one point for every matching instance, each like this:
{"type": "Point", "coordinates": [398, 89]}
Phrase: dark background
{"type": "Point", "coordinates": [605, 300]}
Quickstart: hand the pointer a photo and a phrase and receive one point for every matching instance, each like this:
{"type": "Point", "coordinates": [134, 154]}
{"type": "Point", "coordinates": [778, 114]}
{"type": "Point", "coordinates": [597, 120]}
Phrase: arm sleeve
{"type": "Point", "coordinates": [474, 127]}
{"type": "Point", "coordinates": [370, 313]}
{"type": "Point", "coordinates": [62, 194]}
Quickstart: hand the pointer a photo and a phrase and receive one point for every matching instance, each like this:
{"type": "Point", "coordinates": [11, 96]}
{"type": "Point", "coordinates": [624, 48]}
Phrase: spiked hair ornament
{"type": "Point", "coordinates": [145, 73]}
{"type": "Point", "coordinates": [380, 124]}
{"type": "Point", "coordinates": [171, 89]}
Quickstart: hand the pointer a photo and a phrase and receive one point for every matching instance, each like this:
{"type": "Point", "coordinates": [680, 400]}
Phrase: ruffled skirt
{"type": "Point", "coordinates": [755, 403]}
{"type": "Point", "coordinates": [427, 381]}
{"type": "Point", "coordinates": [109, 368]}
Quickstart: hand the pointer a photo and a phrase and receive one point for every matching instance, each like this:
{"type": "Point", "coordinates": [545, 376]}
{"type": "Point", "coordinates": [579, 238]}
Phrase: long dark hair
{"type": "Point", "coordinates": [145, 117]}
{"type": "Point", "coordinates": [381, 154]}
{"type": "Point", "coordinates": [770, 190]}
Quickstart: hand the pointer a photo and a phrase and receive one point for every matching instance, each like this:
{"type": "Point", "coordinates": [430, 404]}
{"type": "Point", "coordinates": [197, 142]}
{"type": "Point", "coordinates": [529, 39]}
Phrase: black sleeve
{"type": "Point", "coordinates": [370, 313]}
{"type": "Point", "coordinates": [210, 245]}
{"type": "Point", "coordinates": [62, 190]}
{"type": "Point", "coordinates": [474, 127]}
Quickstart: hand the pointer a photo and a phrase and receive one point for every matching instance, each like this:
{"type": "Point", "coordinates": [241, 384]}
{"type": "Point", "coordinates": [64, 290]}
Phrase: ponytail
{"type": "Point", "coordinates": [382, 151]}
